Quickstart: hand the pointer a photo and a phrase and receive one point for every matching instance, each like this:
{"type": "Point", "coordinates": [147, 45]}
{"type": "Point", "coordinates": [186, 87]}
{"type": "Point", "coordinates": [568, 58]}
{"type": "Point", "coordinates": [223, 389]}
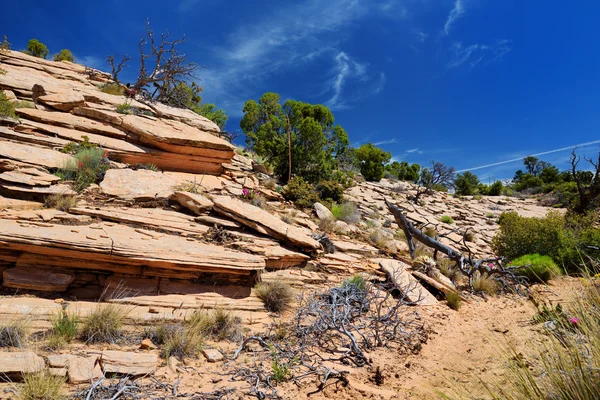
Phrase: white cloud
{"type": "Point", "coordinates": [91, 61]}
{"type": "Point", "coordinates": [476, 54]}
{"type": "Point", "coordinates": [387, 141]}
{"type": "Point", "coordinates": [417, 151]}
{"type": "Point", "coordinates": [457, 11]}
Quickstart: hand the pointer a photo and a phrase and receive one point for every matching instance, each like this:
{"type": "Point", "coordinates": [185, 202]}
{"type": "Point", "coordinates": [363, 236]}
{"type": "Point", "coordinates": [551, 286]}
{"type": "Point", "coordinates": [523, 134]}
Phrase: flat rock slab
{"type": "Point", "coordinates": [128, 363]}
{"type": "Point", "coordinates": [264, 222]}
{"type": "Point", "coordinates": [212, 355]}
{"type": "Point", "coordinates": [34, 155]}
{"type": "Point", "coordinates": [15, 204]}
{"type": "Point", "coordinates": [412, 290]}
{"type": "Point", "coordinates": [35, 278]}
{"type": "Point", "coordinates": [357, 248]}
{"type": "Point", "coordinates": [78, 369]}
{"type": "Point", "coordinates": [14, 364]}
{"type": "Point", "coordinates": [63, 101]}
{"type": "Point", "coordinates": [196, 203]}
{"type": "Point", "coordinates": [140, 185]}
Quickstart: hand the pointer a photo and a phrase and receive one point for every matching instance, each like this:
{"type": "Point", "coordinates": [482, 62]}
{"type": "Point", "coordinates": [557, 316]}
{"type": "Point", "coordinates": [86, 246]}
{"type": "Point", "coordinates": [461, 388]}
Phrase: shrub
{"type": "Point", "coordinates": [347, 212]}
{"type": "Point", "coordinates": [37, 49]}
{"type": "Point", "coordinates": [112, 88]}
{"type": "Point", "coordinates": [104, 324]}
{"type": "Point", "coordinates": [327, 225]}
{"type": "Point", "coordinates": [60, 201]}
{"type": "Point", "coordinates": [447, 219]}
{"type": "Point", "coordinates": [277, 296]}
{"type": "Point", "coordinates": [23, 104]}
{"type": "Point", "coordinates": [64, 55]}
{"type": "Point", "coordinates": [269, 183]}
{"type": "Point", "coordinates": [496, 189]}
{"type": "Point", "coordinates": [536, 268]}
{"type": "Point", "coordinates": [555, 235]}
{"type": "Point", "coordinates": [449, 269]}
{"type": "Point", "coordinates": [219, 324]}
{"type": "Point", "coordinates": [7, 108]}
{"type": "Point", "coordinates": [124, 108]}
{"type": "Point", "coordinates": [42, 386]}
{"type": "Point", "coordinates": [453, 300]}
{"type": "Point", "coordinates": [330, 191]}
{"type": "Point", "coordinates": [176, 340]}
{"type": "Point", "coordinates": [470, 236]}
{"type": "Point", "coordinates": [483, 283]}
{"type": "Point", "coordinates": [89, 167]}
{"type": "Point", "coordinates": [14, 333]}
{"type": "Point", "coordinates": [64, 329]}
{"type": "Point", "coordinates": [300, 192]}
{"type": "Point", "coordinates": [356, 281]}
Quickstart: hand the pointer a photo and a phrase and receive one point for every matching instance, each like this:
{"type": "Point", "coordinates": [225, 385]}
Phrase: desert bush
{"type": "Point", "coordinates": [112, 88]}
{"type": "Point", "coordinates": [470, 236]}
{"type": "Point", "coordinates": [89, 167]}
{"type": "Point", "coordinates": [447, 219]}
{"type": "Point", "coordinates": [175, 340]}
{"type": "Point", "coordinates": [64, 329]}
{"type": "Point", "coordinates": [347, 212]}
{"type": "Point", "coordinates": [557, 236]}
{"type": "Point", "coordinates": [23, 104]}
{"type": "Point", "coordinates": [372, 160]}
{"type": "Point", "coordinates": [14, 333]}
{"type": "Point", "coordinates": [270, 183]}
{"type": "Point", "coordinates": [190, 187]}
{"type": "Point", "coordinates": [64, 55]}
{"type": "Point", "coordinates": [300, 192]}
{"type": "Point", "coordinates": [218, 324]}
{"type": "Point", "coordinates": [453, 300]}
{"type": "Point", "coordinates": [7, 108]}
{"type": "Point", "coordinates": [330, 190]}
{"type": "Point", "coordinates": [287, 219]}
{"type": "Point", "coordinates": [483, 283]}
{"type": "Point", "coordinates": [37, 49]}
{"type": "Point", "coordinates": [42, 386]}
{"type": "Point", "coordinates": [327, 225]}
{"type": "Point", "coordinates": [277, 296]}
{"type": "Point", "coordinates": [104, 324]}
{"type": "Point", "coordinates": [379, 239]}
{"type": "Point", "coordinates": [60, 201]}
{"type": "Point", "coordinates": [124, 108]}
{"type": "Point", "coordinates": [536, 268]}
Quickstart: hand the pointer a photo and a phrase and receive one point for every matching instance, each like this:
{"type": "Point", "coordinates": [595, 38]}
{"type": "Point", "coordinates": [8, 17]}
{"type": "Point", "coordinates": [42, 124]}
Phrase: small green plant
{"type": "Point", "coordinates": [112, 88]}
{"type": "Point", "coordinates": [190, 187]}
{"type": "Point", "coordinates": [447, 219]}
{"type": "Point", "coordinates": [453, 300]}
{"type": "Point", "coordinates": [176, 340]}
{"type": "Point", "coordinates": [302, 193]}
{"type": "Point", "coordinates": [64, 55]}
{"type": "Point", "coordinates": [280, 371]}
{"type": "Point", "coordinates": [42, 386]}
{"type": "Point", "coordinates": [64, 329]}
{"type": "Point", "coordinates": [400, 235]}
{"type": "Point", "coordinates": [483, 283]}
{"type": "Point", "coordinates": [125, 108]}
{"type": "Point", "coordinates": [536, 268]}
{"type": "Point", "coordinates": [356, 281]}
{"type": "Point", "coordinates": [76, 147]}
{"type": "Point", "coordinates": [277, 296]}
{"type": "Point", "coordinates": [60, 201]}
{"type": "Point", "coordinates": [23, 104]}
{"type": "Point", "coordinates": [347, 212]}
{"type": "Point", "coordinates": [7, 108]}
{"type": "Point", "coordinates": [149, 167]}
{"type": "Point", "coordinates": [14, 333]}
{"type": "Point", "coordinates": [490, 215]}
{"type": "Point", "coordinates": [89, 167]}
{"type": "Point", "coordinates": [104, 324]}
{"type": "Point", "coordinates": [378, 239]}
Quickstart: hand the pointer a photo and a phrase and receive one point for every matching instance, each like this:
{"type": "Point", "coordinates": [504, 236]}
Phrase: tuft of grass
{"type": "Point", "coordinates": [347, 212]}
{"type": "Point", "coordinates": [449, 269]}
{"type": "Point", "coordinates": [430, 231]}
{"type": "Point", "coordinates": [14, 333]}
{"type": "Point", "coordinates": [42, 386]}
{"type": "Point", "coordinates": [24, 104]}
{"type": "Point", "coordinates": [453, 300]}
{"type": "Point", "coordinates": [7, 108]}
{"type": "Point", "coordinates": [89, 167]}
{"type": "Point", "coordinates": [400, 235]}
{"type": "Point", "coordinates": [124, 108]}
{"type": "Point", "coordinates": [327, 225]}
{"type": "Point", "coordinates": [470, 236]}
{"type": "Point", "coordinates": [112, 88]}
{"type": "Point", "coordinates": [190, 187]}
{"type": "Point", "coordinates": [270, 183]}
{"type": "Point", "coordinates": [378, 239]}
{"type": "Point", "coordinates": [277, 296]}
{"type": "Point", "coordinates": [176, 340]}
{"type": "Point", "coordinates": [218, 324]}
{"type": "Point", "coordinates": [104, 324]}
{"type": "Point", "coordinates": [447, 219]}
{"type": "Point", "coordinates": [484, 284]}
{"type": "Point", "coordinates": [287, 219]}
{"type": "Point", "coordinates": [60, 201]}
{"type": "Point", "coordinates": [356, 281]}
{"type": "Point", "coordinates": [280, 371]}
{"type": "Point", "coordinates": [64, 329]}
{"type": "Point", "coordinates": [536, 268]}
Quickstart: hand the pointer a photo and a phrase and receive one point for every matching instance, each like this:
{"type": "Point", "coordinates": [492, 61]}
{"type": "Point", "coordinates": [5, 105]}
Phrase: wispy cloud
{"type": "Point", "coordinates": [417, 150]}
{"type": "Point", "coordinates": [286, 39]}
{"type": "Point", "coordinates": [535, 155]}
{"type": "Point", "coordinates": [477, 54]}
{"type": "Point", "coordinates": [388, 141]}
{"type": "Point", "coordinates": [457, 11]}
{"type": "Point", "coordinates": [91, 61]}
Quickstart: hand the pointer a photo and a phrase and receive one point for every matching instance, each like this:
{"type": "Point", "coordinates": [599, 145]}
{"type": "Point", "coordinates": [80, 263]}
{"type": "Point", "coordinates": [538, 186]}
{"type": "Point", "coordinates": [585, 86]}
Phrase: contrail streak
{"type": "Point", "coordinates": [537, 154]}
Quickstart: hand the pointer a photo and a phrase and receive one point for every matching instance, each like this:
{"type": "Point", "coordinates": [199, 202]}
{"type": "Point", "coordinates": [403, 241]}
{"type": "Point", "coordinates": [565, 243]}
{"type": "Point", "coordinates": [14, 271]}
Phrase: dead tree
{"type": "Point", "coordinates": [588, 192]}
{"type": "Point", "coordinates": [438, 175]}
{"type": "Point", "coordinates": [115, 69]}
{"type": "Point", "coordinates": [467, 265]}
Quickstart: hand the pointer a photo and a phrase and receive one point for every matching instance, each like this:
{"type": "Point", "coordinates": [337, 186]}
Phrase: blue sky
{"type": "Point", "coordinates": [466, 82]}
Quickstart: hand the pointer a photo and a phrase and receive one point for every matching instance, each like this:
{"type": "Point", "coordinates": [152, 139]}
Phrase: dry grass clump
{"type": "Point", "coordinates": [347, 212]}
{"type": "Point", "coordinates": [176, 340]}
{"type": "Point", "coordinates": [112, 88]}
{"type": "Point", "coordinates": [327, 225]}
{"type": "Point", "coordinates": [218, 324]}
{"type": "Point", "coordinates": [42, 386]}
{"type": "Point", "coordinates": [379, 239]}
{"type": "Point", "coordinates": [190, 187]}
{"type": "Point", "coordinates": [449, 269]}
{"type": "Point", "coordinates": [60, 201]}
{"type": "Point", "coordinates": [277, 296]}
{"type": "Point", "coordinates": [453, 300]}
{"type": "Point", "coordinates": [270, 183]}
{"type": "Point", "coordinates": [14, 333]}
{"type": "Point", "coordinates": [287, 219]}
{"type": "Point", "coordinates": [484, 284]}
{"type": "Point", "coordinates": [104, 324]}
{"type": "Point", "coordinates": [470, 236]}
{"type": "Point", "coordinates": [430, 231]}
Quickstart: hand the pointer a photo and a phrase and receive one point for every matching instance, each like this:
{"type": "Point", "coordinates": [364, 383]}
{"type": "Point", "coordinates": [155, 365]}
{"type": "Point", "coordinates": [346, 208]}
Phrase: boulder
{"type": "Point", "coordinates": [120, 363]}
{"type": "Point", "coordinates": [196, 203]}
{"type": "Point", "coordinates": [36, 278]}
{"type": "Point", "coordinates": [264, 222]}
{"type": "Point", "coordinates": [62, 101]}
{"type": "Point", "coordinates": [139, 185]}
{"type": "Point", "coordinates": [15, 364]}
{"type": "Point", "coordinates": [78, 369]}
{"type": "Point", "coordinates": [212, 355]}
{"type": "Point", "coordinates": [323, 212]}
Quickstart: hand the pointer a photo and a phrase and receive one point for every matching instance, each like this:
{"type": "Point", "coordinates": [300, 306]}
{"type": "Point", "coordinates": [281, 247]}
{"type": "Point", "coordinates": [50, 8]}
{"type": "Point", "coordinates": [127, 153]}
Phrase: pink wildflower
{"type": "Point", "coordinates": [245, 192]}
{"type": "Point", "coordinates": [574, 321]}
